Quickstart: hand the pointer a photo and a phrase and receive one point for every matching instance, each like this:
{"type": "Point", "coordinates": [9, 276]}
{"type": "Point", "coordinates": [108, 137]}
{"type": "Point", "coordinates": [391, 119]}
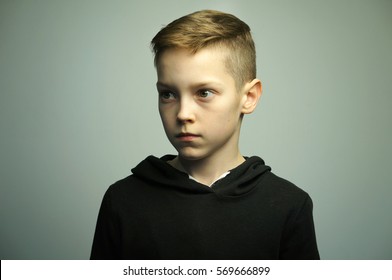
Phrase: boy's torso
{"type": "Point", "coordinates": [242, 216]}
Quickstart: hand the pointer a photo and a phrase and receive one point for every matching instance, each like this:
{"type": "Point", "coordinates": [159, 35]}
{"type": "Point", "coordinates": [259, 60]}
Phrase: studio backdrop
{"type": "Point", "coordinates": [78, 110]}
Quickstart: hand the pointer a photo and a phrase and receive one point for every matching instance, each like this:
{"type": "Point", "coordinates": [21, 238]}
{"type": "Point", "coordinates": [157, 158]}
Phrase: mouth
{"type": "Point", "coordinates": [187, 137]}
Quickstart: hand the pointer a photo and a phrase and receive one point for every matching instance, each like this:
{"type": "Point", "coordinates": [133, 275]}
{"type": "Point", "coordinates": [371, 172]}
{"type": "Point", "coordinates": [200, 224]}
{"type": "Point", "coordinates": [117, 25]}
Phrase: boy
{"type": "Point", "coordinates": [208, 202]}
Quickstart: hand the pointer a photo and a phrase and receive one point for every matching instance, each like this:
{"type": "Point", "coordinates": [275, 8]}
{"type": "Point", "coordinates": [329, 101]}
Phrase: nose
{"type": "Point", "coordinates": [185, 111]}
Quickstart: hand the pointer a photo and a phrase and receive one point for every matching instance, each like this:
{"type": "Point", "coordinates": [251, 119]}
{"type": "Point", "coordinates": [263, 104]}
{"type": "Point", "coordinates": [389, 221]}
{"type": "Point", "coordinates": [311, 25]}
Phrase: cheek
{"type": "Point", "coordinates": [223, 121]}
{"type": "Point", "coordinates": [231, 114]}
{"type": "Point", "coordinates": [162, 114]}
{"type": "Point", "coordinates": [165, 117]}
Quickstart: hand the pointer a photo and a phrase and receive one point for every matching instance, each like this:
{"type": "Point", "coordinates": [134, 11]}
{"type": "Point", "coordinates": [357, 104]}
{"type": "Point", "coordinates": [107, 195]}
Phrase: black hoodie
{"type": "Point", "coordinates": [160, 213]}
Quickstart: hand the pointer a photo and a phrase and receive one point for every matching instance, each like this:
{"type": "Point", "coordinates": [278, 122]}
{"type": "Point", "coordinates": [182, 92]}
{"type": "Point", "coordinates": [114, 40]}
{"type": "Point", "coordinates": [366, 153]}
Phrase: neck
{"type": "Point", "coordinates": [207, 170]}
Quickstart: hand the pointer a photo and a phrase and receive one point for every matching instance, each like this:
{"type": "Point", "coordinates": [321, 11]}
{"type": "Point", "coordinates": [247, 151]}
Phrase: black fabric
{"type": "Point", "coordinates": [159, 213]}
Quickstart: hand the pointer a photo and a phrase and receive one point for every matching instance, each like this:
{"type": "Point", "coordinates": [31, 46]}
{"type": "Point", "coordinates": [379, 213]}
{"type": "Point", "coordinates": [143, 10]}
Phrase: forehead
{"type": "Point", "coordinates": [178, 64]}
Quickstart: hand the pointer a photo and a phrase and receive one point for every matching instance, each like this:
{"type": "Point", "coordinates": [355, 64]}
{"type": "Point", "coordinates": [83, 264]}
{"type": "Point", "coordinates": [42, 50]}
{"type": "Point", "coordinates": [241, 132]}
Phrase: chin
{"type": "Point", "coordinates": [190, 154]}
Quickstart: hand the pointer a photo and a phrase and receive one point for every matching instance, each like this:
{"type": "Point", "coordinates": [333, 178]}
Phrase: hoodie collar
{"type": "Point", "coordinates": [239, 181]}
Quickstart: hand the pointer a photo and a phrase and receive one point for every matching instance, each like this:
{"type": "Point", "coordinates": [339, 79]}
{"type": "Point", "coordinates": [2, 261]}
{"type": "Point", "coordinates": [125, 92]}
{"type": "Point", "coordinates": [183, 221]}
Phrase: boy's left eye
{"type": "Point", "coordinates": [205, 93]}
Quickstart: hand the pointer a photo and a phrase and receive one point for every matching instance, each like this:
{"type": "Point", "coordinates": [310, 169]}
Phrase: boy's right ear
{"type": "Point", "coordinates": [252, 94]}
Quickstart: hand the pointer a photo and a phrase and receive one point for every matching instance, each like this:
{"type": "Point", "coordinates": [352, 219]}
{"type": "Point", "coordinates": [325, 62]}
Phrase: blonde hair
{"type": "Point", "coordinates": [212, 28]}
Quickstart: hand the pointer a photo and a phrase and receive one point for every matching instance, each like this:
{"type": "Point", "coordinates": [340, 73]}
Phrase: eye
{"type": "Point", "coordinates": [205, 93]}
{"type": "Point", "coordinates": [166, 96]}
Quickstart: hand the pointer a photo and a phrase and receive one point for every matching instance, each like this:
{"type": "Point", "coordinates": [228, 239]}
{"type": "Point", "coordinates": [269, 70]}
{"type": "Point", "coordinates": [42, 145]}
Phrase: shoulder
{"type": "Point", "coordinates": [281, 192]}
{"type": "Point", "coordinates": [142, 176]}
{"type": "Point", "coordinates": [279, 184]}
{"type": "Point", "coordinates": [128, 186]}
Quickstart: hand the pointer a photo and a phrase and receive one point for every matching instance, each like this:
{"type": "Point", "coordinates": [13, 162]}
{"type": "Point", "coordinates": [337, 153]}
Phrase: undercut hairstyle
{"type": "Point", "coordinates": [208, 28]}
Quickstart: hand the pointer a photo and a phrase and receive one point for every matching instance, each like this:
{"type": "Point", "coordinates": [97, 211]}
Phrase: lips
{"type": "Point", "coordinates": [186, 137]}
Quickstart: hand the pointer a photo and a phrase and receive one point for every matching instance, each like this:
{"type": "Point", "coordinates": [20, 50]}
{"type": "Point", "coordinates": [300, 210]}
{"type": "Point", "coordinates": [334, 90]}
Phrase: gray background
{"type": "Point", "coordinates": [78, 110]}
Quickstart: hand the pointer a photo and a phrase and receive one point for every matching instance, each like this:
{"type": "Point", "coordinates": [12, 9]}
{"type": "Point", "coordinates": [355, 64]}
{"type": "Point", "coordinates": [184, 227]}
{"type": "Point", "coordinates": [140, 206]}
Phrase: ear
{"type": "Point", "coordinates": [252, 94]}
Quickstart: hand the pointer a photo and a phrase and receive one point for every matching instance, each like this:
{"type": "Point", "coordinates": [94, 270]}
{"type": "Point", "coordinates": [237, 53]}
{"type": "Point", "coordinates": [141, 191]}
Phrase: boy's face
{"type": "Point", "coordinates": [199, 104]}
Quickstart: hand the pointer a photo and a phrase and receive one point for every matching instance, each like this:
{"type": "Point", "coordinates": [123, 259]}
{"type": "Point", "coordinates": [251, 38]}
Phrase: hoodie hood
{"type": "Point", "coordinates": [240, 181]}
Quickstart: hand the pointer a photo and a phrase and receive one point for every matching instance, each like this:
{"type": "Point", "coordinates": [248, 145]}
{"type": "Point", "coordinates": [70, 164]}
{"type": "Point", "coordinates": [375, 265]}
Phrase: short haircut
{"type": "Point", "coordinates": [208, 28]}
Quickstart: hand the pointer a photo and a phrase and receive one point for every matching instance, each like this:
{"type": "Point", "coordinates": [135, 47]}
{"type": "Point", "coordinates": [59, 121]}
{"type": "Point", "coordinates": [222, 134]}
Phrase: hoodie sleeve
{"type": "Point", "coordinates": [106, 238]}
{"type": "Point", "coordinates": [299, 237]}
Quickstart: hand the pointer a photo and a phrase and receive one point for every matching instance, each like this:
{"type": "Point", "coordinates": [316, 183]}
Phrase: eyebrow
{"type": "Point", "coordinates": [205, 84]}
{"type": "Point", "coordinates": [160, 84]}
